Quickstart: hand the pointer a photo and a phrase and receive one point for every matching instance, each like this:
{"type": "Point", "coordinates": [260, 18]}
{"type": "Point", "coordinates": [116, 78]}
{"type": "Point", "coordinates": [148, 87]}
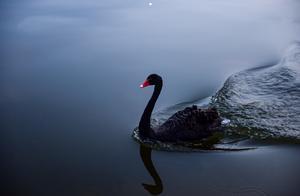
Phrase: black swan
{"type": "Point", "coordinates": [190, 124]}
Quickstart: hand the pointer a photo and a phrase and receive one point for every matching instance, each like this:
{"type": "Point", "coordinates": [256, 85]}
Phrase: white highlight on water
{"type": "Point", "coordinates": [225, 121]}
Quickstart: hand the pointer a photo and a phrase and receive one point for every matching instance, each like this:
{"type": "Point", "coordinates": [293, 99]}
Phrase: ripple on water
{"type": "Point", "coordinates": [264, 101]}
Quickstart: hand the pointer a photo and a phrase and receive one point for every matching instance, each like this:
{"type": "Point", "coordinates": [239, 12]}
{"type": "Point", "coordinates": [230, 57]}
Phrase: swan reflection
{"type": "Point", "coordinates": [157, 188]}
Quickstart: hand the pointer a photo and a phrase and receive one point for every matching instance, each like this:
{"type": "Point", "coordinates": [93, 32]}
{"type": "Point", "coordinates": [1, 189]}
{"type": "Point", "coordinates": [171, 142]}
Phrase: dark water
{"type": "Point", "coordinates": [69, 96]}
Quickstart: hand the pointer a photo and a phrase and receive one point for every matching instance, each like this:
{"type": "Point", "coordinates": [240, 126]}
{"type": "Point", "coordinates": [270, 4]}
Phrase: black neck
{"type": "Point", "coordinates": [144, 125]}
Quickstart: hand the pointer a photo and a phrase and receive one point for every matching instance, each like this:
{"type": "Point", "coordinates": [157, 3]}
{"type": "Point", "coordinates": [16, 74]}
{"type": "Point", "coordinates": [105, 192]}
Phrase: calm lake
{"type": "Point", "coordinates": [70, 99]}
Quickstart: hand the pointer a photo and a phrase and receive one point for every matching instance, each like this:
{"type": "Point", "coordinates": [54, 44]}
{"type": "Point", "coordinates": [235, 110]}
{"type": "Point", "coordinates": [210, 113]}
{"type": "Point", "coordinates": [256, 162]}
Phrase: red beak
{"type": "Point", "coordinates": [145, 84]}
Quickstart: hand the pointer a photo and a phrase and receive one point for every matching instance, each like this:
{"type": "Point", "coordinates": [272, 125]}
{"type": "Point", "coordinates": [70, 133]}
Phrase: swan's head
{"type": "Point", "coordinates": [152, 79]}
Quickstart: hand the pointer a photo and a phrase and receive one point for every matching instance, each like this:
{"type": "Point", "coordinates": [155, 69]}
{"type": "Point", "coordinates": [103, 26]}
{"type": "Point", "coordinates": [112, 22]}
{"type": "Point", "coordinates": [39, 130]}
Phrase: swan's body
{"type": "Point", "coordinates": [190, 124]}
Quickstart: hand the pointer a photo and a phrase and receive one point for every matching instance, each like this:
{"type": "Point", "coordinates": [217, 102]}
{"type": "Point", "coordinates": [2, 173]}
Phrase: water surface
{"type": "Point", "coordinates": [69, 96]}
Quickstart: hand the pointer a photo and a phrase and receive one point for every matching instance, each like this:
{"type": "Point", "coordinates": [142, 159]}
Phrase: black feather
{"type": "Point", "coordinates": [188, 124]}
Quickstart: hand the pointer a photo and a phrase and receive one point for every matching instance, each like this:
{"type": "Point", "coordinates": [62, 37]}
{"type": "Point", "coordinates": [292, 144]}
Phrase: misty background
{"type": "Point", "coordinates": [194, 45]}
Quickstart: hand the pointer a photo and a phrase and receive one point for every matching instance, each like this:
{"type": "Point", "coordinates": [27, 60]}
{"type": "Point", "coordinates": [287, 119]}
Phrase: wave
{"type": "Point", "coordinates": [264, 102]}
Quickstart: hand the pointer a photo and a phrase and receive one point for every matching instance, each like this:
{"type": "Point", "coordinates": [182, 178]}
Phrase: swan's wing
{"type": "Point", "coordinates": [191, 118]}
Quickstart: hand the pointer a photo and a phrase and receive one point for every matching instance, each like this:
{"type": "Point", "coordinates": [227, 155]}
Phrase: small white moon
{"type": "Point", "coordinates": [150, 4]}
